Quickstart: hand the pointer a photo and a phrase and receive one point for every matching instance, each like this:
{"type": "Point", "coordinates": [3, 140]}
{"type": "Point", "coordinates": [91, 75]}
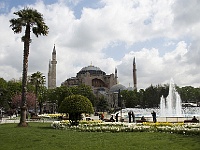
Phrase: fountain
{"type": "Point", "coordinates": [170, 109]}
{"type": "Point", "coordinates": [171, 105]}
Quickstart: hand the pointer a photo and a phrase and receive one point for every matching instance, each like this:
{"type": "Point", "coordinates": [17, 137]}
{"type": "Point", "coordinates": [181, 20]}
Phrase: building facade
{"type": "Point", "coordinates": [94, 77]}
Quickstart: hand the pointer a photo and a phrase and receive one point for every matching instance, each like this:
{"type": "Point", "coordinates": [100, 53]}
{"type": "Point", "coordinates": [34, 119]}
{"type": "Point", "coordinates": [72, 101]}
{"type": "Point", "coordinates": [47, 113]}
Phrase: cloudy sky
{"type": "Point", "coordinates": [163, 36]}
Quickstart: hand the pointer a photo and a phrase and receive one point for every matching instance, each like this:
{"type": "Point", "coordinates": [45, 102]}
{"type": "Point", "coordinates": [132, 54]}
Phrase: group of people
{"type": "Point", "coordinates": [131, 117]}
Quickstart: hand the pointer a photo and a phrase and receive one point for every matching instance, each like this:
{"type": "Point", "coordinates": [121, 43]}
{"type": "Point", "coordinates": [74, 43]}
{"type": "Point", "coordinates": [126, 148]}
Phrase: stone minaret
{"type": "Point", "coordinates": [116, 73]}
{"type": "Point", "coordinates": [52, 71]}
{"type": "Point", "coordinates": [116, 76]}
{"type": "Point", "coordinates": [49, 75]}
{"type": "Point", "coordinates": [134, 75]}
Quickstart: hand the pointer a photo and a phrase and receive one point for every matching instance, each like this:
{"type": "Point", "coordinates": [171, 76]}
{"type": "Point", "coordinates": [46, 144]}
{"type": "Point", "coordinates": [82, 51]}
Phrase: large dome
{"type": "Point", "coordinates": [92, 70]}
{"type": "Point", "coordinates": [88, 68]}
{"type": "Point", "coordinates": [116, 87]}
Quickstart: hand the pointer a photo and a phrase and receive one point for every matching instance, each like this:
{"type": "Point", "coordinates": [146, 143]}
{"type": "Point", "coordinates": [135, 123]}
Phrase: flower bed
{"type": "Point", "coordinates": [98, 126]}
{"type": "Point", "coordinates": [50, 115]}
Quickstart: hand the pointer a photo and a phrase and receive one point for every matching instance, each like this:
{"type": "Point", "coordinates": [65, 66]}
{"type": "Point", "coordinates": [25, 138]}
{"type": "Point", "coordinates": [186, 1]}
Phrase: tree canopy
{"type": "Point", "coordinates": [76, 104]}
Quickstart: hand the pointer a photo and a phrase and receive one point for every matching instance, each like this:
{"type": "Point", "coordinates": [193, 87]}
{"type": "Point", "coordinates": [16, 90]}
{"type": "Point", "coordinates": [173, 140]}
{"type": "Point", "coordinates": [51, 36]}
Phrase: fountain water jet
{"type": "Point", "coordinates": [171, 105]}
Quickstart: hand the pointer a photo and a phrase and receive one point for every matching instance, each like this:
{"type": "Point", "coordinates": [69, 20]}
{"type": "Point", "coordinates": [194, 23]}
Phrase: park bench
{"type": "Point", "coordinates": [140, 121]}
{"type": "Point", "coordinates": [35, 118]}
{"type": "Point", "coordinates": [108, 120]}
{"type": "Point", "coordinates": [191, 121]}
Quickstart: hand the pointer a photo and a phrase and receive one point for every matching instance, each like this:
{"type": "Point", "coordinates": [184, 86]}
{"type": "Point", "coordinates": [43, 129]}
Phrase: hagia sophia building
{"type": "Point", "coordinates": [101, 83]}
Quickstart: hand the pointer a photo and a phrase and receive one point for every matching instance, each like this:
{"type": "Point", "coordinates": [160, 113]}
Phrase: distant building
{"type": "Point", "coordinates": [101, 83]}
{"type": "Point", "coordinates": [114, 97]}
{"type": "Point", "coordinates": [94, 77]}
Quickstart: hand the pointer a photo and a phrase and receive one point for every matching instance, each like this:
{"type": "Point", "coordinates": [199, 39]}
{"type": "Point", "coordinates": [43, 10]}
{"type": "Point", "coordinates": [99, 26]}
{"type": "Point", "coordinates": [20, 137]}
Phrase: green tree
{"type": "Point", "coordinates": [142, 99]}
{"type": "Point", "coordinates": [58, 94]}
{"type": "Point", "coordinates": [38, 80]}
{"type": "Point", "coordinates": [30, 19]}
{"type": "Point", "coordinates": [84, 90]}
{"type": "Point", "coordinates": [75, 105]}
{"type": "Point", "coordinates": [102, 104]}
{"type": "Point", "coordinates": [197, 95]}
{"type": "Point", "coordinates": [189, 94]}
{"type": "Point", "coordinates": [152, 97]}
{"type": "Point", "coordinates": [42, 97]}
{"type": "Point", "coordinates": [13, 88]}
{"type": "Point", "coordinates": [164, 90]}
{"type": "Point", "coordinates": [3, 87]}
{"type": "Point", "coordinates": [130, 98]}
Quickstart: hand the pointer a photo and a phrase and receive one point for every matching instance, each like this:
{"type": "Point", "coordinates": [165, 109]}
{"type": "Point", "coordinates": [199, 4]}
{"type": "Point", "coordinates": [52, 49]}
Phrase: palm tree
{"type": "Point", "coordinates": [38, 80]}
{"type": "Point", "coordinates": [30, 19]}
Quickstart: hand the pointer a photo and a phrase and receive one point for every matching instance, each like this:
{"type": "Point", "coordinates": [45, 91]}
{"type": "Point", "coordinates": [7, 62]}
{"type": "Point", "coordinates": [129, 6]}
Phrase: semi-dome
{"type": "Point", "coordinates": [92, 70]}
{"type": "Point", "coordinates": [117, 87]}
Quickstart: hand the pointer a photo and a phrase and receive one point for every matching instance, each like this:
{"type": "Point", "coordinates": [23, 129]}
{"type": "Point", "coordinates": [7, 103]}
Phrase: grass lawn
{"type": "Point", "coordinates": [40, 136]}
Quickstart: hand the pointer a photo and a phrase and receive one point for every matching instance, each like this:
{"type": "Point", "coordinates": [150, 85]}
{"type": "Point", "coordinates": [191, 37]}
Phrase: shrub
{"type": "Point", "coordinates": [75, 105]}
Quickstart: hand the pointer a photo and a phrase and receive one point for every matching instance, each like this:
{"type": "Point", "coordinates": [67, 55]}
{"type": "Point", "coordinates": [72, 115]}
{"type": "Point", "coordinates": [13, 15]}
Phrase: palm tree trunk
{"type": "Point", "coordinates": [26, 41]}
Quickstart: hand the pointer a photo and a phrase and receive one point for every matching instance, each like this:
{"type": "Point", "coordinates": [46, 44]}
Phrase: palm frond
{"type": "Point", "coordinates": [32, 18]}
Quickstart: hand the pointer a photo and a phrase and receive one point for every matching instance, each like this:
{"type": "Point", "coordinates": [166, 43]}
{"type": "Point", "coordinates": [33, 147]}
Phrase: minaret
{"type": "Point", "coordinates": [134, 75]}
{"type": "Point", "coordinates": [49, 75]}
{"type": "Point", "coordinates": [52, 70]}
{"type": "Point", "coordinates": [53, 65]}
{"type": "Point", "coordinates": [116, 73]}
{"type": "Point", "coordinates": [115, 76]}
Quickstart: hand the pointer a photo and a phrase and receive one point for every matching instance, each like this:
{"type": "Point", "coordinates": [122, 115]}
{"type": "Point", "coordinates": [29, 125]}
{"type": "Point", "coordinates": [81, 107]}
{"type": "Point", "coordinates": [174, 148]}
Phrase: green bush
{"type": "Point", "coordinates": [75, 105]}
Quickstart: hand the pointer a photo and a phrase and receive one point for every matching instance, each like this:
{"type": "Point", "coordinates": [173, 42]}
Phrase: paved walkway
{"type": "Point", "coordinates": [7, 120]}
{"type": "Point", "coordinates": [13, 120]}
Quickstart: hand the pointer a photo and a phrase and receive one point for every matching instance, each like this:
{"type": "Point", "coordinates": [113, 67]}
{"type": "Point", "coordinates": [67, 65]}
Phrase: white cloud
{"type": "Point", "coordinates": [155, 69]}
{"type": "Point", "coordinates": [82, 41]}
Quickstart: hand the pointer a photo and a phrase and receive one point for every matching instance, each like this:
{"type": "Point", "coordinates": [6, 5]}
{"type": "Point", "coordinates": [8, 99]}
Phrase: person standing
{"type": "Point", "coordinates": [129, 116]}
{"type": "Point", "coordinates": [116, 117]}
{"type": "Point", "coordinates": [102, 116]}
{"type": "Point", "coordinates": [133, 116]}
{"type": "Point", "coordinates": [154, 116]}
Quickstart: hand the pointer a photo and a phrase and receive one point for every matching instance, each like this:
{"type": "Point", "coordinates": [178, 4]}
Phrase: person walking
{"type": "Point", "coordinates": [154, 116]}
